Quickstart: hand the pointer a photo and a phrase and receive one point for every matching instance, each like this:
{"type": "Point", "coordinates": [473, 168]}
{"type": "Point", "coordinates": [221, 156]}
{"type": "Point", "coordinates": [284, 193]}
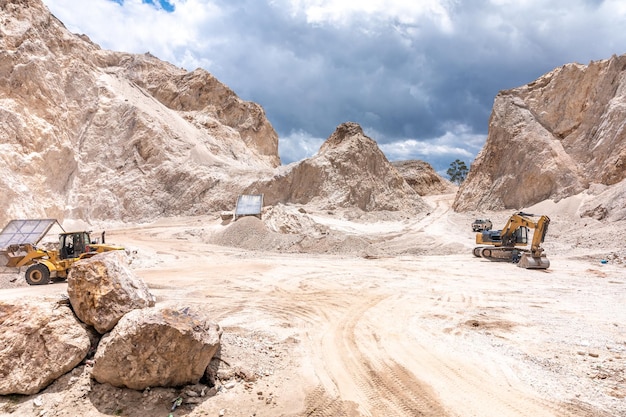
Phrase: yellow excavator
{"type": "Point", "coordinates": [20, 237]}
{"type": "Point", "coordinates": [508, 244]}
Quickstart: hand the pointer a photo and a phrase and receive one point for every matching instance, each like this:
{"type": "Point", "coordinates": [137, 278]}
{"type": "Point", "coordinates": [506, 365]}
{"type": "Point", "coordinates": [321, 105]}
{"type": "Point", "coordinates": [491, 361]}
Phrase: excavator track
{"type": "Point", "coordinates": [503, 254]}
{"type": "Point", "coordinates": [522, 257]}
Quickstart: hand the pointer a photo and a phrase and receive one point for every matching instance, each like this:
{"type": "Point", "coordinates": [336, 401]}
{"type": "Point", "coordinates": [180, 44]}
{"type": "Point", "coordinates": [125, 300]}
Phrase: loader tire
{"type": "Point", "coordinates": [38, 274]}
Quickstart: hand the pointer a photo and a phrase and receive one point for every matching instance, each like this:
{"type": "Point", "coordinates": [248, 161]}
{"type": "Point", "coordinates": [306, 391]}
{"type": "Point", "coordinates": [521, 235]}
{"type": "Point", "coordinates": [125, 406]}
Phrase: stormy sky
{"type": "Point", "coordinates": [419, 76]}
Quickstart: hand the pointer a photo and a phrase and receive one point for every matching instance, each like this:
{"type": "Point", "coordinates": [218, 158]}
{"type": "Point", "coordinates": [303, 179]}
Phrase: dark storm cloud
{"type": "Point", "coordinates": [419, 77]}
{"type": "Point", "coordinates": [314, 77]}
{"type": "Point", "coordinates": [398, 83]}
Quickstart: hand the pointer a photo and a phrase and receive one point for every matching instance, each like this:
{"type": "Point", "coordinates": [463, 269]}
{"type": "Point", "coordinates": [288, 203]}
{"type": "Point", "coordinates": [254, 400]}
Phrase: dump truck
{"type": "Point", "coordinates": [509, 244]}
{"type": "Point", "coordinates": [20, 238]}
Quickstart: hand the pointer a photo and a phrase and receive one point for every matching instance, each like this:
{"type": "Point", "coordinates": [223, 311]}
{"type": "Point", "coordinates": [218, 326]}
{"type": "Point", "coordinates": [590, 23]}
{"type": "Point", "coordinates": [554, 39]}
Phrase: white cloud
{"type": "Point", "coordinates": [342, 12]}
{"type": "Point", "coordinates": [615, 7]}
{"type": "Point", "coordinates": [139, 27]}
{"type": "Point", "coordinates": [298, 145]}
{"type": "Point", "coordinates": [458, 142]}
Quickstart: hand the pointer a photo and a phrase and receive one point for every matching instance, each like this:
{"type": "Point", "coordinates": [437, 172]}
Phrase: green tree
{"type": "Point", "coordinates": [457, 171]}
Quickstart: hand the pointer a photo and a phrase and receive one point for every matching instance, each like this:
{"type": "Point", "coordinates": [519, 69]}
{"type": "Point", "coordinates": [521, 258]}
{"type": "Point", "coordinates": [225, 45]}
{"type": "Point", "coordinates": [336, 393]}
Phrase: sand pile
{"type": "Point", "coordinates": [281, 230]}
{"type": "Point", "coordinates": [251, 233]}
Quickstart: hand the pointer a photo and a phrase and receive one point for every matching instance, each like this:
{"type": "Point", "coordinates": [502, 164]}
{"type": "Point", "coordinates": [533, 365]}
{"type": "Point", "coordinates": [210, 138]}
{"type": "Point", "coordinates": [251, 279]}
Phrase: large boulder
{"type": "Point", "coordinates": [552, 138]}
{"type": "Point", "coordinates": [103, 288]}
{"type": "Point", "coordinates": [41, 340]}
{"type": "Point", "coordinates": [165, 346]}
{"type": "Point", "coordinates": [606, 202]}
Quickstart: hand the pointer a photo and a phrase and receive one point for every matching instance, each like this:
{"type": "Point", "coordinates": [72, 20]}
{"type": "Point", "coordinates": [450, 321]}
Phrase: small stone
{"type": "Point", "coordinates": [193, 400]}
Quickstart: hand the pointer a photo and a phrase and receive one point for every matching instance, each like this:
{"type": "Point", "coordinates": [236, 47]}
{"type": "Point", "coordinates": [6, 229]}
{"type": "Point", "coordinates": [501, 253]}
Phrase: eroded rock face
{"type": "Point", "coordinates": [198, 94]}
{"type": "Point", "coordinates": [552, 138]}
{"type": "Point", "coordinates": [103, 288]}
{"type": "Point", "coordinates": [166, 346]}
{"type": "Point", "coordinates": [348, 171]}
{"type": "Point", "coordinates": [422, 177]}
{"type": "Point", "coordinates": [606, 203]}
{"type": "Point", "coordinates": [41, 339]}
{"type": "Point", "coordinates": [94, 134]}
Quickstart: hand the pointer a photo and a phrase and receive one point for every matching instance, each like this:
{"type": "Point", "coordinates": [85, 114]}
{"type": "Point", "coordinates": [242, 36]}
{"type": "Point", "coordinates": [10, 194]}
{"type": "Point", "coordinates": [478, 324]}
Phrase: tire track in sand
{"type": "Point", "coordinates": [379, 385]}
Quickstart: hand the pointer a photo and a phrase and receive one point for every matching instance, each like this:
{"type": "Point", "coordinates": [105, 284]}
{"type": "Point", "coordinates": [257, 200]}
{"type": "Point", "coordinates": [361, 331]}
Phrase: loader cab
{"type": "Point", "coordinates": [73, 244]}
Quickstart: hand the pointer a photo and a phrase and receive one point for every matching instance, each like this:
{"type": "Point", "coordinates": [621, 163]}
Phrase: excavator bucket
{"type": "Point", "coordinates": [528, 261]}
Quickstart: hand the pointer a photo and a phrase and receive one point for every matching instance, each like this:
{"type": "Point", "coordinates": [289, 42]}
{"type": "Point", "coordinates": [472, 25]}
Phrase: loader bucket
{"type": "Point", "coordinates": [528, 261]}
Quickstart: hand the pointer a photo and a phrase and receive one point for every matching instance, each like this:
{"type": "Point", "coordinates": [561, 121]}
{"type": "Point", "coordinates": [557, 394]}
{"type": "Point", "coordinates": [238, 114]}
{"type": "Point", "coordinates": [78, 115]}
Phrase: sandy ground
{"type": "Point", "coordinates": [393, 317]}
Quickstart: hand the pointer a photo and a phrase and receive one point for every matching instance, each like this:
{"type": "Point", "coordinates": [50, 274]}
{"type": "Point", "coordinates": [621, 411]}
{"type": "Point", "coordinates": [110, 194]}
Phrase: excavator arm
{"type": "Point", "coordinates": [541, 228]}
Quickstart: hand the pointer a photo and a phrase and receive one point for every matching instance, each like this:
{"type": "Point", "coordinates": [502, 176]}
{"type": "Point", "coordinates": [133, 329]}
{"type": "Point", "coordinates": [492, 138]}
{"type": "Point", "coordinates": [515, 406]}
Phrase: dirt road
{"type": "Point", "coordinates": [400, 334]}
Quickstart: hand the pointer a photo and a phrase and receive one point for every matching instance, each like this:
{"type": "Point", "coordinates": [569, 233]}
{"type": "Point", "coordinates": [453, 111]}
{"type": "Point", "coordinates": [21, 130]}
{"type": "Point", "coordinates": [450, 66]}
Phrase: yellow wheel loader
{"type": "Point", "coordinates": [20, 238]}
{"type": "Point", "coordinates": [509, 243]}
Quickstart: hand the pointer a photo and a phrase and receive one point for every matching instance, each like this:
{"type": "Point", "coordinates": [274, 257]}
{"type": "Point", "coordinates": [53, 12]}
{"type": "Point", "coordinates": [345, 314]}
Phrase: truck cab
{"type": "Point", "coordinates": [480, 225]}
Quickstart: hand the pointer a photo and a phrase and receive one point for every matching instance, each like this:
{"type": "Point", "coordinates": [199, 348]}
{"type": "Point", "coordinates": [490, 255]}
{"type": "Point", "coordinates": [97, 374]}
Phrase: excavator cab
{"type": "Point", "coordinates": [518, 238]}
{"type": "Point", "coordinates": [520, 235]}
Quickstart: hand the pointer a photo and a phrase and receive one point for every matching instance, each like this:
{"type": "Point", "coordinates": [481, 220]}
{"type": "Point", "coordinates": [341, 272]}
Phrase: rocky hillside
{"type": "Point", "coordinates": [348, 171]}
{"type": "Point", "coordinates": [553, 138]}
{"type": "Point", "coordinates": [423, 178]}
{"type": "Point", "coordinates": [93, 134]}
